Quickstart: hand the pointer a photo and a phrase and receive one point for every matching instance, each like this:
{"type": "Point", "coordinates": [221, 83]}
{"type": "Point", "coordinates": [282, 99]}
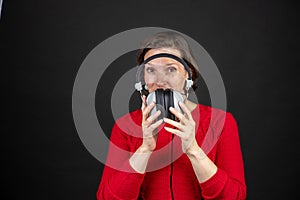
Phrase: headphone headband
{"type": "Point", "coordinates": [185, 65]}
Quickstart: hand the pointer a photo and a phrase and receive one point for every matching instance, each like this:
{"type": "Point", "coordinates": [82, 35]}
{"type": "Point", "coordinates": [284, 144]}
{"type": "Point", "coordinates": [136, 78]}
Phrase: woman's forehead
{"type": "Point", "coordinates": [162, 61]}
{"type": "Point", "coordinates": [152, 52]}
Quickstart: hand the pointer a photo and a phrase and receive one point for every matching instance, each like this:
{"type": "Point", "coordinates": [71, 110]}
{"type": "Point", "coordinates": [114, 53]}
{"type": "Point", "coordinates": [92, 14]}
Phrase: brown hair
{"type": "Point", "coordinates": [171, 40]}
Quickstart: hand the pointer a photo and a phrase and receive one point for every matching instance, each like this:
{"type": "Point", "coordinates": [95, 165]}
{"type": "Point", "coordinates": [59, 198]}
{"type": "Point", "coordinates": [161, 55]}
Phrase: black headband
{"type": "Point", "coordinates": [186, 67]}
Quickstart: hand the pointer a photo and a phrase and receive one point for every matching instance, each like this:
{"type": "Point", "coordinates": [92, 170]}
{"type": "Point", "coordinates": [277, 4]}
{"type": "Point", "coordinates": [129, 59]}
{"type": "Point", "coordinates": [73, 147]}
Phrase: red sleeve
{"type": "Point", "coordinates": [229, 181]}
{"type": "Point", "coordinates": [119, 180]}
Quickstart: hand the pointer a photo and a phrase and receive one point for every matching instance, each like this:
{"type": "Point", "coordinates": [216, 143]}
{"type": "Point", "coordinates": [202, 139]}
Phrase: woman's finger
{"type": "Point", "coordinates": [185, 110]}
{"type": "Point", "coordinates": [153, 117]}
{"type": "Point", "coordinates": [174, 131]}
{"type": "Point", "coordinates": [156, 124]}
{"type": "Point", "coordinates": [173, 123]}
{"type": "Point", "coordinates": [176, 113]}
{"type": "Point", "coordinates": [143, 97]}
{"type": "Point", "coordinates": [147, 110]}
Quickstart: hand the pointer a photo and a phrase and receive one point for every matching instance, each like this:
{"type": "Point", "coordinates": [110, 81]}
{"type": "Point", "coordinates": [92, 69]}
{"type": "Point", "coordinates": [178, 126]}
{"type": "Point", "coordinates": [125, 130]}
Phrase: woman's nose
{"type": "Point", "coordinates": [161, 79]}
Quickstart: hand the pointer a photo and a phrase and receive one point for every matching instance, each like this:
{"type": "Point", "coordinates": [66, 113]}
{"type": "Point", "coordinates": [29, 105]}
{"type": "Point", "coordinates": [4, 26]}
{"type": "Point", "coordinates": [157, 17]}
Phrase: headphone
{"type": "Point", "coordinates": [164, 98]}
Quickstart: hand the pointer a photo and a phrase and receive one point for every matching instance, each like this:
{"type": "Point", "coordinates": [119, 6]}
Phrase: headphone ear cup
{"type": "Point", "coordinates": [176, 98]}
{"type": "Point", "coordinates": [160, 102]}
{"type": "Point", "coordinates": [150, 98]}
{"type": "Point", "coordinates": [164, 99]}
{"type": "Point", "coordinates": [169, 101]}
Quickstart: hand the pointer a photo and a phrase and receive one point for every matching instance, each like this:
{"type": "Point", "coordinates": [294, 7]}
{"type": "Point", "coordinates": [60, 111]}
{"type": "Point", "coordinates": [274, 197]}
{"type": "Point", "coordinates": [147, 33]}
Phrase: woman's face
{"type": "Point", "coordinates": [164, 73]}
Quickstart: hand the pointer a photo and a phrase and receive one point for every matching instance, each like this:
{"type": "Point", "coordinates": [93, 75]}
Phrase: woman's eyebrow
{"type": "Point", "coordinates": [172, 63]}
{"type": "Point", "coordinates": [169, 63]}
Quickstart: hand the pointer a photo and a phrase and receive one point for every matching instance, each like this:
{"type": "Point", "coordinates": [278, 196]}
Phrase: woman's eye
{"type": "Point", "coordinates": [172, 69]}
{"type": "Point", "coordinates": [150, 70]}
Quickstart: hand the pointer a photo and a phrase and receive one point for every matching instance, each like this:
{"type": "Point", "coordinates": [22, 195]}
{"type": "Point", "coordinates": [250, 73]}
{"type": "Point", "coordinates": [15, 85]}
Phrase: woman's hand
{"type": "Point", "coordinates": [185, 128]}
{"type": "Point", "coordinates": [203, 167]}
{"type": "Point", "coordinates": [140, 158]}
{"type": "Point", "coordinates": [149, 126]}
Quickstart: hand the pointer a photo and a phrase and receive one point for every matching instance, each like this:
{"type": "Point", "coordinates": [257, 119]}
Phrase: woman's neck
{"type": "Point", "coordinates": [191, 105]}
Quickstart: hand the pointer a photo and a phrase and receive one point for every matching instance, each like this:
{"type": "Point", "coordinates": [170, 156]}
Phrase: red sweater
{"type": "Point", "coordinates": [176, 180]}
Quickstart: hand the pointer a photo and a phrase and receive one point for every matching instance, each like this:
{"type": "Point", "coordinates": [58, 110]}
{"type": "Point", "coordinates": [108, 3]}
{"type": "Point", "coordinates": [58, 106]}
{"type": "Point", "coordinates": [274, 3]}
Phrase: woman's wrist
{"type": "Point", "coordinates": [139, 159]}
{"type": "Point", "coordinates": [203, 167]}
{"type": "Point", "coordinates": [144, 149]}
{"type": "Point", "coordinates": [194, 151]}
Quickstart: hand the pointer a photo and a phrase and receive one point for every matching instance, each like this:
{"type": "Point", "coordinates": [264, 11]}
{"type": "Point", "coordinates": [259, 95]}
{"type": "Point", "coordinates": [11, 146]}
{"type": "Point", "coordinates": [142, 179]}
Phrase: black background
{"type": "Point", "coordinates": [43, 43]}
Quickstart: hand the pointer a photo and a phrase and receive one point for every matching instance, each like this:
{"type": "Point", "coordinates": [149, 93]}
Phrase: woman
{"type": "Point", "coordinates": [188, 171]}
